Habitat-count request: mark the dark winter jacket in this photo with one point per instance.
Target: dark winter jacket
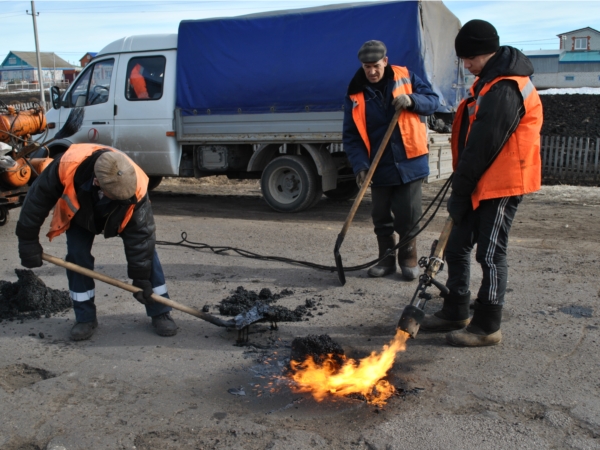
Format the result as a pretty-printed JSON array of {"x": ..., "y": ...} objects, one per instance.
[
  {"x": 498, "y": 116},
  {"x": 394, "y": 168},
  {"x": 95, "y": 214}
]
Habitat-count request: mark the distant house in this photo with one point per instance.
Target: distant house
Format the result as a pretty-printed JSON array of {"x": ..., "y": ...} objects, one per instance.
[
  {"x": 87, "y": 58},
  {"x": 22, "y": 66},
  {"x": 576, "y": 63}
]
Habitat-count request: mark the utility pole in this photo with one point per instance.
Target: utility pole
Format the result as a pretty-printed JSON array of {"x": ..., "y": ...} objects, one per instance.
[{"x": 37, "y": 54}]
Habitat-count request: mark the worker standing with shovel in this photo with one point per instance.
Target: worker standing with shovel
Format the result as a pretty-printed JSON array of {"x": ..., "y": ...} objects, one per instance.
[
  {"x": 496, "y": 159},
  {"x": 96, "y": 189},
  {"x": 377, "y": 91}
]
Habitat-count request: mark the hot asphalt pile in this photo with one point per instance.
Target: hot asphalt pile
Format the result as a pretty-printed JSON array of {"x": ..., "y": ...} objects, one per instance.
[
  {"x": 30, "y": 298},
  {"x": 242, "y": 300},
  {"x": 319, "y": 347}
]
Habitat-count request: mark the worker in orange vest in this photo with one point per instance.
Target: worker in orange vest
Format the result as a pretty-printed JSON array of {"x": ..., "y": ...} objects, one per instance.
[
  {"x": 96, "y": 190},
  {"x": 138, "y": 82},
  {"x": 376, "y": 92},
  {"x": 496, "y": 160}
]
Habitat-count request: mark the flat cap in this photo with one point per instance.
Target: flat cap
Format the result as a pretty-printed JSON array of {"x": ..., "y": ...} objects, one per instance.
[
  {"x": 116, "y": 175},
  {"x": 372, "y": 51}
]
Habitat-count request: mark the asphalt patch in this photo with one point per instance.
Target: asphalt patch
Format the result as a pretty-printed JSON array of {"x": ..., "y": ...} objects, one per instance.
[
  {"x": 242, "y": 300},
  {"x": 30, "y": 298},
  {"x": 577, "y": 311}
]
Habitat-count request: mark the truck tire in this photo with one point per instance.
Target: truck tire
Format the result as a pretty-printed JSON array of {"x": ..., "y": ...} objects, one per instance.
[
  {"x": 289, "y": 183},
  {"x": 153, "y": 182}
]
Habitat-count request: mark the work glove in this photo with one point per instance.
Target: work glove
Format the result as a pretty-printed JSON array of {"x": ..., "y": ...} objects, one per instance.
[
  {"x": 30, "y": 252},
  {"x": 360, "y": 177},
  {"x": 402, "y": 102},
  {"x": 458, "y": 207},
  {"x": 145, "y": 295}
]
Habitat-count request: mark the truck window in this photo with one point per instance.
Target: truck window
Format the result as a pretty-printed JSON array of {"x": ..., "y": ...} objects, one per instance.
[
  {"x": 93, "y": 86},
  {"x": 145, "y": 78}
]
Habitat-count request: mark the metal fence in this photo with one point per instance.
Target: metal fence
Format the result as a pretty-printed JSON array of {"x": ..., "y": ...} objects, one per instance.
[
  {"x": 26, "y": 87},
  {"x": 572, "y": 160}
]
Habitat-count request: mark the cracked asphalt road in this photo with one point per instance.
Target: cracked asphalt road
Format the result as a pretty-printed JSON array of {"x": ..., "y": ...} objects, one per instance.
[{"x": 129, "y": 388}]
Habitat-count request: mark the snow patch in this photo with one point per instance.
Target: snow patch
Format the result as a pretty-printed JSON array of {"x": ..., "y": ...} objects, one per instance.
[{"x": 563, "y": 91}]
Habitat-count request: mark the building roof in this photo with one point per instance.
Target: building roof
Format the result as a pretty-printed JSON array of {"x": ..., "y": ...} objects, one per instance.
[
  {"x": 581, "y": 57},
  {"x": 48, "y": 59},
  {"x": 92, "y": 54},
  {"x": 581, "y": 29},
  {"x": 541, "y": 53}
]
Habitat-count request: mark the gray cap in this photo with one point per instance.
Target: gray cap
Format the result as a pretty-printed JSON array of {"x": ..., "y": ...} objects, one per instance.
[
  {"x": 116, "y": 175},
  {"x": 372, "y": 51}
]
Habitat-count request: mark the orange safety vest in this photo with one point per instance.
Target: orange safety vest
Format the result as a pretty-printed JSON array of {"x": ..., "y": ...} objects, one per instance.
[
  {"x": 412, "y": 129},
  {"x": 517, "y": 169},
  {"x": 68, "y": 204},
  {"x": 138, "y": 82}
]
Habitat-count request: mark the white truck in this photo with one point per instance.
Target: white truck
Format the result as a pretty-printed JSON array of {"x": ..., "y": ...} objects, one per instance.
[{"x": 258, "y": 96}]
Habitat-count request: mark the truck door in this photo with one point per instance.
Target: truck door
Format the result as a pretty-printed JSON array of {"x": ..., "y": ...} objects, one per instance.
[
  {"x": 92, "y": 90},
  {"x": 145, "y": 103}
]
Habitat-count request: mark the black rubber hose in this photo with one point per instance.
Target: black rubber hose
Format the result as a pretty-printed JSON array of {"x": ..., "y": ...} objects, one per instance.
[{"x": 185, "y": 242}]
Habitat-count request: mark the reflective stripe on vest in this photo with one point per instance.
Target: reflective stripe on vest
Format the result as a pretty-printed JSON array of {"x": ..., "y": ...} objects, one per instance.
[
  {"x": 413, "y": 130},
  {"x": 68, "y": 204},
  {"x": 517, "y": 169}
]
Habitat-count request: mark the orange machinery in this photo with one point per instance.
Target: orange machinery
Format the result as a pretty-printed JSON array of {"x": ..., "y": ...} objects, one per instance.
[{"x": 17, "y": 124}]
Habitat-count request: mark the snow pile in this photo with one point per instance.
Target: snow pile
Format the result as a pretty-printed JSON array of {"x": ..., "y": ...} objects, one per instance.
[{"x": 563, "y": 91}]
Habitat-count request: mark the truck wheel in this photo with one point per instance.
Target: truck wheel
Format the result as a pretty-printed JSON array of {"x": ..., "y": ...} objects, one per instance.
[
  {"x": 3, "y": 216},
  {"x": 289, "y": 183},
  {"x": 153, "y": 182}
]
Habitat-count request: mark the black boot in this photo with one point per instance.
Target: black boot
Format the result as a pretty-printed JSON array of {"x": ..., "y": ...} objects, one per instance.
[
  {"x": 483, "y": 330},
  {"x": 408, "y": 260},
  {"x": 454, "y": 314},
  {"x": 386, "y": 266}
]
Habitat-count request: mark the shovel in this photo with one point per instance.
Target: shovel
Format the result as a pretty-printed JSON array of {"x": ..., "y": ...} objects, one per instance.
[
  {"x": 240, "y": 321},
  {"x": 359, "y": 197}
]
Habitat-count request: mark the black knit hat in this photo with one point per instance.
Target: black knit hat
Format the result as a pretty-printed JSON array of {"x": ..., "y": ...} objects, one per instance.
[
  {"x": 372, "y": 51},
  {"x": 476, "y": 37}
]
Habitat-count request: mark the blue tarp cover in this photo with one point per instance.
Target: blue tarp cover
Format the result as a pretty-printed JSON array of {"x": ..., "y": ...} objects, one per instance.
[{"x": 289, "y": 62}]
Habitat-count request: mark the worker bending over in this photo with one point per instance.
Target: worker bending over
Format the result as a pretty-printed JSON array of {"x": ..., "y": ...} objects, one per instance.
[
  {"x": 375, "y": 93},
  {"x": 96, "y": 190},
  {"x": 496, "y": 159}
]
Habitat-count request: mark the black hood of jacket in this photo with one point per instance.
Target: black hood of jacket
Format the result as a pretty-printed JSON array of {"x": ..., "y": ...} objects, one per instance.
[
  {"x": 508, "y": 61},
  {"x": 359, "y": 81}
]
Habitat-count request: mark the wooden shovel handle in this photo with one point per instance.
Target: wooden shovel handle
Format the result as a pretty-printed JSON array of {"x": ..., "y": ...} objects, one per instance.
[
  {"x": 128, "y": 287},
  {"x": 370, "y": 173}
]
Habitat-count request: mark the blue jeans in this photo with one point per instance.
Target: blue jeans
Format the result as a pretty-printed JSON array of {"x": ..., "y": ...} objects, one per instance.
[{"x": 82, "y": 288}]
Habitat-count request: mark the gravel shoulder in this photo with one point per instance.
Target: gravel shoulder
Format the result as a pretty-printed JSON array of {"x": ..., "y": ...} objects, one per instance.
[{"x": 129, "y": 388}]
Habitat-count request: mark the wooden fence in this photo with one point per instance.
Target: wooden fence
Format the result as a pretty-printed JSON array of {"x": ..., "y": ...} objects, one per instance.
[{"x": 571, "y": 159}]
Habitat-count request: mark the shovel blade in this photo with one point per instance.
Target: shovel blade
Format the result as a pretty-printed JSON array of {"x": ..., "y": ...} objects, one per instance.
[
  {"x": 410, "y": 320},
  {"x": 338, "y": 259},
  {"x": 255, "y": 314}
]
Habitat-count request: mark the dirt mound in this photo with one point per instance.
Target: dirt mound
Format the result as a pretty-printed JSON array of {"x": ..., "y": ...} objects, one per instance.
[
  {"x": 571, "y": 115},
  {"x": 30, "y": 298}
]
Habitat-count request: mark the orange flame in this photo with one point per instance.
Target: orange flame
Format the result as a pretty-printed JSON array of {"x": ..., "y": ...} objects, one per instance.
[{"x": 364, "y": 377}]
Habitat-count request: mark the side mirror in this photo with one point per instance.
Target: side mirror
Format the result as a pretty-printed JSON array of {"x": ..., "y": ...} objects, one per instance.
[{"x": 55, "y": 97}]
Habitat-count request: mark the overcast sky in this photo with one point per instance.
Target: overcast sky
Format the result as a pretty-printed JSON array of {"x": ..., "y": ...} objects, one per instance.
[{"x": 73, "y": 28}]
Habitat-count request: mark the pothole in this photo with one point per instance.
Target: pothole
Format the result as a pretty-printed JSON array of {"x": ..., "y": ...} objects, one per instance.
[{"x": 18, "y": 376}]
